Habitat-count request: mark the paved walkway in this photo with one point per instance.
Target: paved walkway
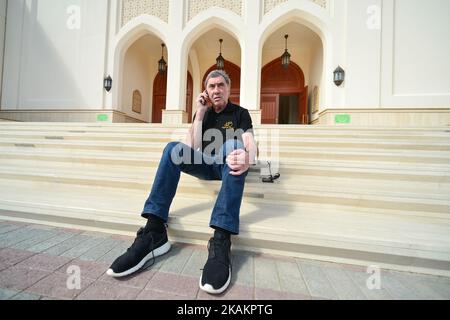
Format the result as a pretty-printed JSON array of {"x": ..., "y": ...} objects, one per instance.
[{"x": 41, "y": 262}]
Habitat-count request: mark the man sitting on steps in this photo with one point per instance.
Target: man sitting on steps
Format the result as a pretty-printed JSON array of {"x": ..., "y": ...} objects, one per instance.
[{"x": 219, "y": 146}]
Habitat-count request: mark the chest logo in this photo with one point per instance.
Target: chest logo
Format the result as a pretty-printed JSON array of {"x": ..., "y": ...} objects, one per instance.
[{"x": 228, "y": 125}]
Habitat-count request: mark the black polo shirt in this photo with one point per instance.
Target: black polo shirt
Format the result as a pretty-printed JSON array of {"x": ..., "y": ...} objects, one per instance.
[{"x": 228, "y": 124}]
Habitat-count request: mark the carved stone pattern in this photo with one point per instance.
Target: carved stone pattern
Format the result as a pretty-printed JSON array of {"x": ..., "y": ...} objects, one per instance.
[
  {"x": 134, "y": 8},
  {"x": 196, "y": 6},
  {"x": 270, "y": 4},
  {"x": 137, "y": 101}
]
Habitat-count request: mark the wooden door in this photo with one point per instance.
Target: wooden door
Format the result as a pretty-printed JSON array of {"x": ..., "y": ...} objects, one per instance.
[
  {"x": 276, "y": 80},
  {"x": 159, "y": 96},
  {"x": 159, "y": 104},
  {"x": 269, "y": 108},
  {"x": 303, "y": 107},
  {"x": 189, "y": 93}
]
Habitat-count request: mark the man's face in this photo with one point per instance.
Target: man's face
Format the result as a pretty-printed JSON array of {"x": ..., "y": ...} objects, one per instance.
[{"x": 218, "y": 92}]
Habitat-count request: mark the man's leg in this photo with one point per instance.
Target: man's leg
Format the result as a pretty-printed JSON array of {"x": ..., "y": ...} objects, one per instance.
[
  {"x": 176, "y": 158},
  {"x": 152, "y": 241},
  {"x": 225, "y": 220}
]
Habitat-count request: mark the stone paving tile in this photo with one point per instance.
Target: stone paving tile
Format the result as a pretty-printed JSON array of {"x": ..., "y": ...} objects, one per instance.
[
  {"x": 39, "y": 237},
  {"x": 112, "y": 255},
  {"x": 195, "y": 264},
  {"x": 176, "y": 284},
  {"x": 44, "y": 262},
  {"x": 51, "y": 242},
  {"x": 26, "y": 296},
  {"x": 291, "y": 279},
  {"x": 20, "y": 278},
  {"x": 158, "y": 295},
  {"x": 360, "y": 279},
  {"x": 99, "y": 251},
  {"x": 5, "y": 228},
  {"x": 397, "y": 289},
  {"x": 58, "y": 285},
  {"x": 83, "y": 247},
  {"x": 317, "y": 282},
  {"x": 234, "y": 292},
  {"x": 344, "y": 286},
  {"x": 423, "y": 288},
  {"x": 266, "y": 274},
  {"x": 11, "y": 257},
  {"x": 101, "y": 290},
  {"x": 268, "y": 294},
  {"x": 137, "y": 280},
  {"x": 88, "y": 269},
  {"x": 5, "y": 294},
  {"x": 176, "y": 259},
  {"x": 243, "y": 271},
  {"x": 17, "y": 236},
  {"x": 66, "y": 245}
]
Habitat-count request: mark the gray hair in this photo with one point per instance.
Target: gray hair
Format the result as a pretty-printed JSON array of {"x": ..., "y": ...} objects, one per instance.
[{"x": 218, "y": 73}]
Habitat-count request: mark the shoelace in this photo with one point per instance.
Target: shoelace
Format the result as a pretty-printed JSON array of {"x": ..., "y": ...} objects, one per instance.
[
  {"x": 139, "y": 236},
  {"x": 215, "y": 247}
]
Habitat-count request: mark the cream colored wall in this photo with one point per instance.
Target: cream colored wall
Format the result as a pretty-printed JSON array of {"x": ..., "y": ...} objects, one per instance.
[
  {"x": 400, "y": 63},
  {"x": 363, "y": 53},
  {"x": 416, "y": 51},
  {"x": 2, "y": 39},
  {"x": 140, "y": 68},
  {"x": 396, "y": 55},
  {"x": 54, "y": 57}
]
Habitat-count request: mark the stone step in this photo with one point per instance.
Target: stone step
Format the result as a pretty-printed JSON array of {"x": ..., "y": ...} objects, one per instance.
[
  {"x": 428, "y": 157},
  {"x": 434, "y": 201},
  {"x": 326, "y": 233},
  {"x": 286, "y": 144}
]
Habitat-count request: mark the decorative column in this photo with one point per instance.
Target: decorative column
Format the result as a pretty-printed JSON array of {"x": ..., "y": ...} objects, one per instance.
[
  {"x": 251, "y": 62},
  {"x": 175, "y": 113}
]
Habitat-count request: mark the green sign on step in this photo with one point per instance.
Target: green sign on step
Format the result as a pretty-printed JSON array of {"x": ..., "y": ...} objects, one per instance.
[
  {"x": 342, "y": 118},
  {"x": 102, "y": 117}
]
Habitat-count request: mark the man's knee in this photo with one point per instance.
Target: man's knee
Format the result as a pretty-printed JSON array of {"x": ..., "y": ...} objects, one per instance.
[{"x": 170, "y": 146}]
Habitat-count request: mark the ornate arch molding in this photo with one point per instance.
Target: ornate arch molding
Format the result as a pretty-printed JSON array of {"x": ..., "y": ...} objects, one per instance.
[
  {"x": 269, "y": 5},
  {"x": 194, "y": 7},
  {"x": 130, "y": 33},
  {"x": 134, "y": 8}
]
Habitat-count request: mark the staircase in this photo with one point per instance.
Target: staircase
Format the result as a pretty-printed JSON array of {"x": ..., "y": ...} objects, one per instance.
[{"x": 377, "y": 196}]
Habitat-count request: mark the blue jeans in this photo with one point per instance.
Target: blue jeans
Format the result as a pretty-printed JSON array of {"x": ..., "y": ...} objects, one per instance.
[{"x": 177, "y": 158}]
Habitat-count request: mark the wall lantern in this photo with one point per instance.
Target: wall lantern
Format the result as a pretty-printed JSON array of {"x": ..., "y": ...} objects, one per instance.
[
  {"x": 220, "y": 61},
  {"x": 162, "y": 64},
  {"x": 107, "y": 83},
  {"x": 339, "y": 76},
  {"x": 286, "y": 57}
]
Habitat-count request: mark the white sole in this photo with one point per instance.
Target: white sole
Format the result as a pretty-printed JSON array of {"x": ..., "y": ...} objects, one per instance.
[
  {"x": 155, "y": 253},
  {"x": 209, "y": 288}
]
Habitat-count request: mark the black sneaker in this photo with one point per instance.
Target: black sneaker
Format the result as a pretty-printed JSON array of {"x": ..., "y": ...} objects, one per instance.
[
  {"x": 147, "y": 245},
  {"x": 216, "y": 275}
]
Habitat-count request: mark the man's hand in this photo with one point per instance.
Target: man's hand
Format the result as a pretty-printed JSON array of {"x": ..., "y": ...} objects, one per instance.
[{"x": 238, "y": 161}]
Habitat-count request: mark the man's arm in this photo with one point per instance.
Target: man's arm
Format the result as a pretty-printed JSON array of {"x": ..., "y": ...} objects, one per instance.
[
  {"x": 240, "y": 160},
  {"x": 250, "y": 147},
  {"x": 194, "y": 135}
]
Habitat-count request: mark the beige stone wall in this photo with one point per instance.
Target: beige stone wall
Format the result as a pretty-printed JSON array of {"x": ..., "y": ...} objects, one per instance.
[{"x": 386, "y": 117}]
